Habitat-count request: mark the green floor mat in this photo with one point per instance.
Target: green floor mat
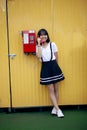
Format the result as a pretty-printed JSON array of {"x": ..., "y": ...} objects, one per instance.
[{"x": 73, "y": 120}]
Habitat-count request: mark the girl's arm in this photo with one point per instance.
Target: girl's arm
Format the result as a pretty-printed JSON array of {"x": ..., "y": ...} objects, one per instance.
[
  {"x": 56, "y": 55},
  {"x": 39, "y": 51}
]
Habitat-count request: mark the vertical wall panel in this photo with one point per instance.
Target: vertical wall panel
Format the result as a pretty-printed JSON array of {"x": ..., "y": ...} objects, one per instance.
[{"x": 70, "y": 34}]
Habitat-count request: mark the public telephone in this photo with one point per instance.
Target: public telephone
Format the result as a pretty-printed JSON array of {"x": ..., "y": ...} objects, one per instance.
[{"x": 29, "y": 41}]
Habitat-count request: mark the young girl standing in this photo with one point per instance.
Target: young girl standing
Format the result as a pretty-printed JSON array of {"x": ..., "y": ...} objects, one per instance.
[{"x": 51, "y": 73}]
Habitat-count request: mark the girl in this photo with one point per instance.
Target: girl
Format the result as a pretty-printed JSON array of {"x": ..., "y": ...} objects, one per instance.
[{"x": 51, "y": 73}]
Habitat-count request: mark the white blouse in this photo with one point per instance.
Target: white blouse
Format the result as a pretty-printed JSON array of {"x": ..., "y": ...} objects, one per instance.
[{"x": 46, "y": 52}]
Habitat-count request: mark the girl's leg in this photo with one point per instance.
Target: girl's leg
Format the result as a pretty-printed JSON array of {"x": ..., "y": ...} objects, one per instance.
[
  {"x": 51, "y": 90},
  {"x": 56, "y": 91}
]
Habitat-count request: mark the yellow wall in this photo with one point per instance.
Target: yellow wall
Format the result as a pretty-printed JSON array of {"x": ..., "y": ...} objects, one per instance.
[
  {"x": 70, "y": 33},
  {"x": 4, "y": 72},
  {"x": 66, "y": 22}
]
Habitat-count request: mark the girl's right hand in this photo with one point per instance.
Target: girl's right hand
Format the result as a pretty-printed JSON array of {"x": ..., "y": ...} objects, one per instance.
[{"x": 38, "y": 40}]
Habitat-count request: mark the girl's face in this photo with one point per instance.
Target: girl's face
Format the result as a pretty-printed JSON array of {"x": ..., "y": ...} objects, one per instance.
[{"x": 43, "y": 38}]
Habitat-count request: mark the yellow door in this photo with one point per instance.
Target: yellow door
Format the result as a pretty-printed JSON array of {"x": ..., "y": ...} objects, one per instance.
[
  {"x": 27, "y": 15},
  {"x": 4, "y": 65}
]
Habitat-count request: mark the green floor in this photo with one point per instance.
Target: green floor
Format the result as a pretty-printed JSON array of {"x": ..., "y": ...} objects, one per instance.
[{"x": 73, "y": 120}]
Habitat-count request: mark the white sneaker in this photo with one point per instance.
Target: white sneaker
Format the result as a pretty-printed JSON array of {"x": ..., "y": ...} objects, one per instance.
[
  {"x": 60, "y": 113},
  {"x": 54, "y": 112}
]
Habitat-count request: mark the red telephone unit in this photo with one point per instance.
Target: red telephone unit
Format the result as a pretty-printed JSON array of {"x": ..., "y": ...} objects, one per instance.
[{"x": 29, "y": 41}]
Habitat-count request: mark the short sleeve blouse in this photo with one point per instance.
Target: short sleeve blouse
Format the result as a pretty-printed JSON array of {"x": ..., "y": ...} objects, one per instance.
[{"x": 46, "y": 52}]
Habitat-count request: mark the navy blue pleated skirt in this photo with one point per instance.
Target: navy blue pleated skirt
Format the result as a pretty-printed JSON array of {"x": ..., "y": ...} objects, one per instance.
[{"x": 50, "y": 73}]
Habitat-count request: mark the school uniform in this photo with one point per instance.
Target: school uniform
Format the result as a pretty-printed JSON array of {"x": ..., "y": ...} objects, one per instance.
[{"x": 50, "y": 71}]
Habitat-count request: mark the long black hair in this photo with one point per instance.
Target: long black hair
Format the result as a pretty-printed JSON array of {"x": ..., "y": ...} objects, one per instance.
[{"x": 44, "y": 32}]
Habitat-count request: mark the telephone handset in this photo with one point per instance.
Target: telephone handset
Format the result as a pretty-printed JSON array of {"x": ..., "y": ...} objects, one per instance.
[{"x": 42, "y": 39}]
